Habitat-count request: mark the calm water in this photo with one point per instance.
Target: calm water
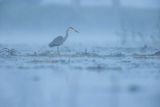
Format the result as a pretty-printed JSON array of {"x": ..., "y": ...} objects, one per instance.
[{"x": 80, "y": 79}]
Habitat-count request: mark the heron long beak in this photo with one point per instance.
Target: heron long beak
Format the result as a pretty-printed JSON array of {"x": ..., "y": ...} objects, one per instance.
[{"x": 76, "y": 30}]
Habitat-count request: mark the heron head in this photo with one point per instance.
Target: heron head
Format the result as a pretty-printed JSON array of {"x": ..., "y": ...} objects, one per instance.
[{"x": 72, "y": 29}]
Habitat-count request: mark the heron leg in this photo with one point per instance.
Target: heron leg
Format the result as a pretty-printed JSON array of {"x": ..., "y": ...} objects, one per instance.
[{"x": 58, "y": 50}]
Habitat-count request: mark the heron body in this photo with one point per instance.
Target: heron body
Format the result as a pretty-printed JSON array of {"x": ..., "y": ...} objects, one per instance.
[{"x": 58, "y": 41}]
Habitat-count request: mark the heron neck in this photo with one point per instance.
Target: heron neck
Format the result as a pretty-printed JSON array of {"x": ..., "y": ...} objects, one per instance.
[{"x": 66, "y": 36}]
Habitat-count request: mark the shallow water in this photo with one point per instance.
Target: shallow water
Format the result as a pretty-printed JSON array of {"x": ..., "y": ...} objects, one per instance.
[{"x": 104, "y": 77}]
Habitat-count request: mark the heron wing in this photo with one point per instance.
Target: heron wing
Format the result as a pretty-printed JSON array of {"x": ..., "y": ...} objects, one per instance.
[{"x": 57, "y": 41}]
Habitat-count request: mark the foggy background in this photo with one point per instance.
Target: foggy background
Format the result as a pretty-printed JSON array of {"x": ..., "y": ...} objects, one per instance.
[
  {"x": 113, "y": 61},
  {"x": 114, "y": 22}
]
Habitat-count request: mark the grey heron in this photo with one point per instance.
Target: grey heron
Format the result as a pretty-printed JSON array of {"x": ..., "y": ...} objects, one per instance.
[{"x": 58, "y": 41}]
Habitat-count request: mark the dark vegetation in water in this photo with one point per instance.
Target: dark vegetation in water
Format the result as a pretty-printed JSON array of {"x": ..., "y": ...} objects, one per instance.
[
  {"x": 157, "y": 53},
  {"x": 9, "y": 52},
  {"x": 103, "y": 53}
]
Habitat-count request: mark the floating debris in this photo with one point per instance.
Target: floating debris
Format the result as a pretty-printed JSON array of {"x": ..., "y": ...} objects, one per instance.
[
  {"x": 37, "y": 61},
  {"x": 99, "y": 67},
  {"x": 133, "y": 88},
  {"x": 118, "y": 54},
  {"x": 84, "y": 54},
  {"x": 42, "y": 61}
]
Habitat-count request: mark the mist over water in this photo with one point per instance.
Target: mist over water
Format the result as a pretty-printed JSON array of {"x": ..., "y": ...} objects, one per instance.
[
  {"x": 112, "y": 62},
  {"x": 46, "y": 19}
]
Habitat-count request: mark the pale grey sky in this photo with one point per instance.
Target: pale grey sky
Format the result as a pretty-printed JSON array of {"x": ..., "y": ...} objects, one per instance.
[{"x": 137, "y": 3}]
